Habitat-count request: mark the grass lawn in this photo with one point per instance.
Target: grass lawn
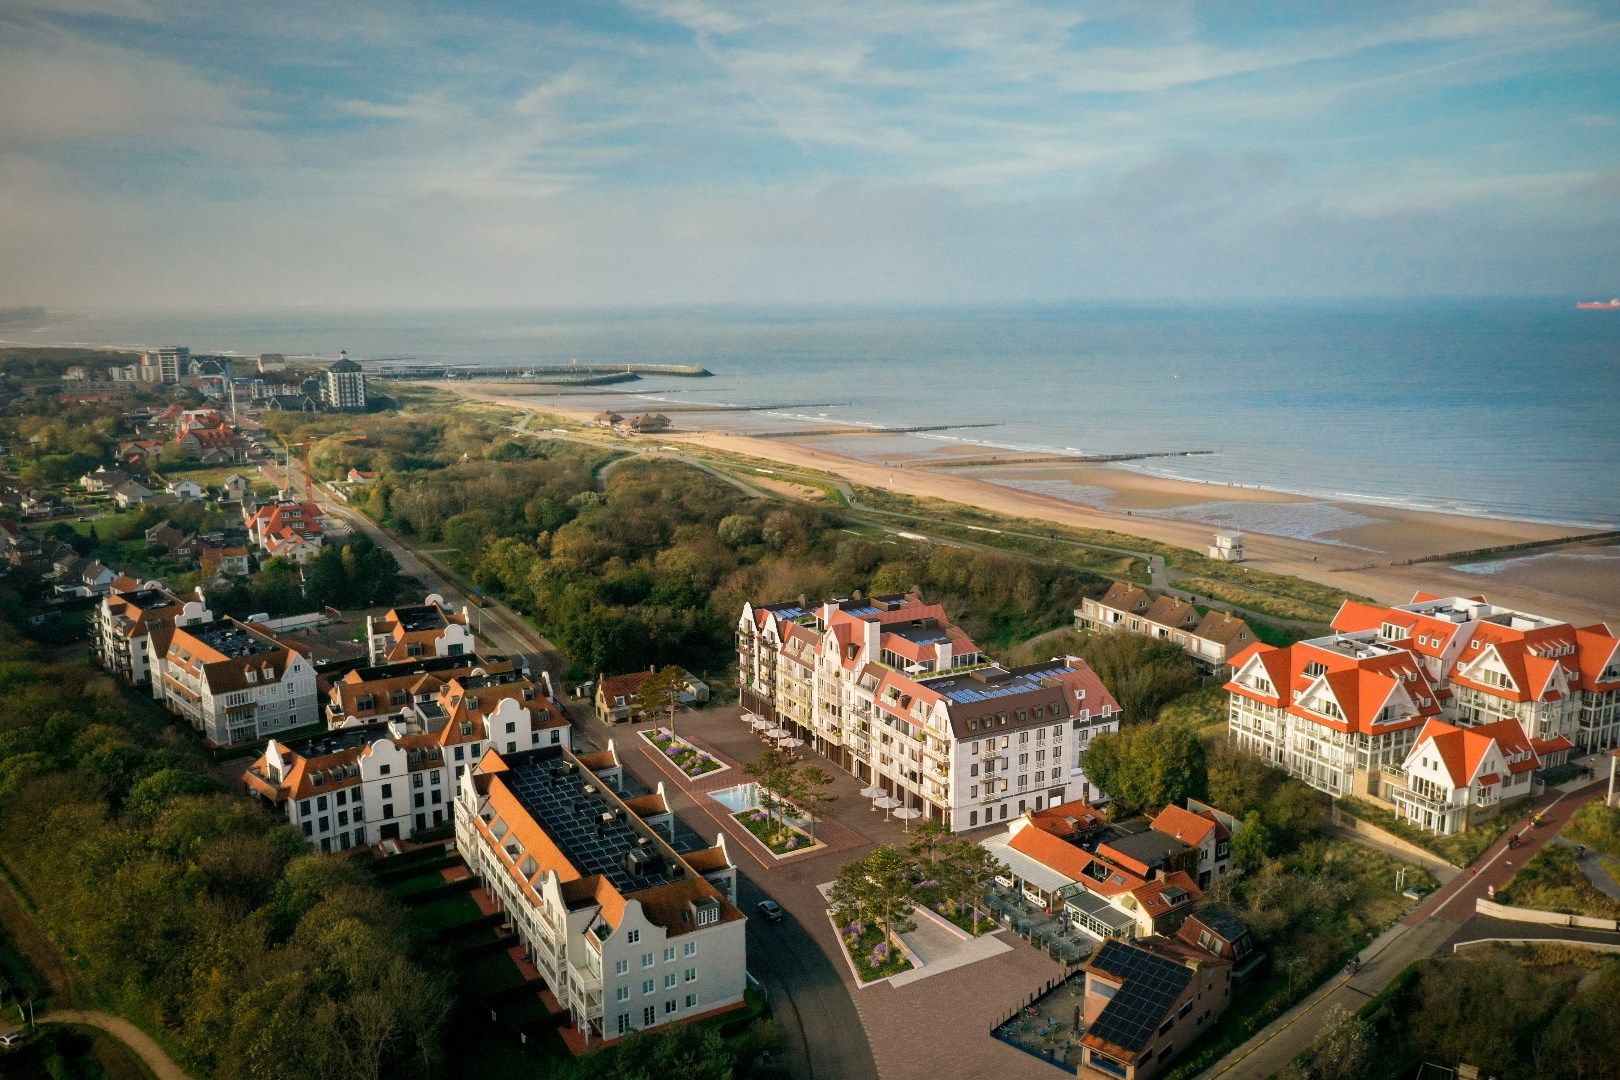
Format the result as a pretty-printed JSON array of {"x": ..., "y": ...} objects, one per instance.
[
  {"x": 1596, "y": 826},
  {"x": 775, "y": 834},
  {"x": 1459, "y": 849},
  {"x": 874, "y": 958},
  {"x": 427, "y": 879},
  {"x": 688, "y": 758},
  {"x": 491, "y": 974},
  {"x": 1553, "y": 881},
  {"x": 444, "y": 913}
]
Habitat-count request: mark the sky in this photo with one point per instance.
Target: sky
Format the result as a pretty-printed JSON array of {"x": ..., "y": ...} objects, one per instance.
[{"x": 244, "y": 156}]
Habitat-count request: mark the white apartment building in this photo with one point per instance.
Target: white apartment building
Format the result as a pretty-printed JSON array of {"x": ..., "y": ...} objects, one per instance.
[
  {"x": 1334, "y": 711},
  {"x": 235, "y": 682},
  {"x": 165, "y": 364},
  {"x": 891, "y": 691},
  {"x": 628, "y": 933},
  {"x": 1490, "y": 663},
  {"x": 131, "y": 627},
  {"x": 362, "y": 784}
]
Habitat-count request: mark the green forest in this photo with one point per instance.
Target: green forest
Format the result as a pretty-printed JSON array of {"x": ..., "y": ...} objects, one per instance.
[
  {"x": 628, "y": 562},
  {"x": 189, "y": 909}
]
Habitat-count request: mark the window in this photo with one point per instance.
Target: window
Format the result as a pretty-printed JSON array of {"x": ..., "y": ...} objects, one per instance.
[
  {"x": 416, "y": 780},
  {"x": 669, "y": 980},
  {"x": 689, "y": 975},
  {"x": 388, "y": 790},
  {"x": 649, "y": 1016},
  {"x": 342, "y": 797},
  {"x": 689, "y": 949},
  {"x": 669, "y": 1006},
  {"x": 385, "y": 769},
  {"x": 511, "y": 726},
  {"x": 621, "y": 966},
  {"x": 669, "y": 954},
  {"x": 973, "y": 815},
  {"x": 621, "y": 994},
  {"x": 632, "y": 937},
  {"x": 647, "y": 986},
  {"x": 325, "y": 823},
  {"x": 388, "y": 809},
  {"x": 647, "y": 960},
  {"x": 320, "y": 803},
  {"x": 691, "y": 1000}
]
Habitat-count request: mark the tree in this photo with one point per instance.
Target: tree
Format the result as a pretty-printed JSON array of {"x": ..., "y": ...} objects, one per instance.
[
  {"x": 877, "y": 889},
  {"x": 660, "y": 692},
  {"x": 1342, "y": 1050},
  {"x": 1250, "y": 844},
  {"x": 738, "y": 530},
  {"x": 774, "y": 774},
  {"x": 810, "y": 791},
  {"x": 1148, "y": 765},
  {"x": 967, "y": 871}
]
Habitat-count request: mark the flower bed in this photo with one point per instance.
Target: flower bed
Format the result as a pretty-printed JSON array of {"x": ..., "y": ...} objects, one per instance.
[
  {"x": 962, "y": 917},
  {"x": 774, "y": 833},
  {"x": 682, "y": 754},
  {"x": 873, "y": 957}
]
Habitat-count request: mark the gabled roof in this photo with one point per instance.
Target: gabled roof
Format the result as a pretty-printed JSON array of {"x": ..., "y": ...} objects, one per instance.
[{"x": 1190, "y": 828}]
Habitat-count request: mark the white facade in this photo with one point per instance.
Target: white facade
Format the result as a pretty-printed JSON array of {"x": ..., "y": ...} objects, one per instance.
[
  {"x": 230, "y": 698},
  {"x": 123, "y": 625}
]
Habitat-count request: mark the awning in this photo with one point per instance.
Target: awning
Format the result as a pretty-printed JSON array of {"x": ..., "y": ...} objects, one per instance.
[{"x": 1033, "y": 871}]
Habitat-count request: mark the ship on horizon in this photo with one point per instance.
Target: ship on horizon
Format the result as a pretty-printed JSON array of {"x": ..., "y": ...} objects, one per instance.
[{"x": 1597, "y": 305}]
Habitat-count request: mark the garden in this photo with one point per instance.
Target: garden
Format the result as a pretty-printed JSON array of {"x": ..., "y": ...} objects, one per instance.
[
  {"x": 874, "y": 958},
  {"x": 775, "y": 833},
  {"x": 682, "y": 754}
]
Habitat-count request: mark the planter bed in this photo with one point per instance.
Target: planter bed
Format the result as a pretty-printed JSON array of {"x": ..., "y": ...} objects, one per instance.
[
  {"x": 682, "y": 754},
  {"x": 872, "y": 965},
  {"x": 962, "y": 919},
  {"x": 780, "y": 837}
]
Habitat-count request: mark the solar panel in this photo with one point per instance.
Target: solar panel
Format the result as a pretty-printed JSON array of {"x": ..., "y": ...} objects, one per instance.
[
  {"x": 1151, "y": 986},
  {"x": 593, "y": 833}
]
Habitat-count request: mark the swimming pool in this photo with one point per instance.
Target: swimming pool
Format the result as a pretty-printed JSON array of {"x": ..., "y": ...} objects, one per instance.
[{"x": 746, "y": 797}]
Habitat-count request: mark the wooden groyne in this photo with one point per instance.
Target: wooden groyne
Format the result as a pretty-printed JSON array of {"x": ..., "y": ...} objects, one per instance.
[
  {"x": 1052, "y": 459},
  {"x": 541, "y": 371},
  {"x": 660, "y": 406},
  {"x": 1499, "y": 551},
  {"x": 804, "y": 433}
]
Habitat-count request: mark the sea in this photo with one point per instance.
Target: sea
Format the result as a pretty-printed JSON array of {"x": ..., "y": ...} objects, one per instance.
[{"x": 1498, "y": 408}]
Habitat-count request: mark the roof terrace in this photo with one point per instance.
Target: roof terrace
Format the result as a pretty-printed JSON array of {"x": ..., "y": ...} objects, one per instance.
[{"x": 234, "y": 640}]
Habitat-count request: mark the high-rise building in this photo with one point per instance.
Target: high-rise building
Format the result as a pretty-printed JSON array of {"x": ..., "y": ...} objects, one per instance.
[
  {"x": 343, "y": 386},
  {"x": 165, "y": 364}
]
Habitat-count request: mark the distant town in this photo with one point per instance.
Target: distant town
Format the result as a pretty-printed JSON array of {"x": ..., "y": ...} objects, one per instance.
[{"x": 539, "y": 703}]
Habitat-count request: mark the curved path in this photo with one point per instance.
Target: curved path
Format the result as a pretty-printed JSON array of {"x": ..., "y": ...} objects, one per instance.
[{"x": 162, "y": 1066}]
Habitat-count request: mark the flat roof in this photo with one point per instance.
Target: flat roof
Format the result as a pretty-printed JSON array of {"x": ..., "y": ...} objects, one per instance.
[
  {"x": 419, "y": 617},
  {"x": 983, "y": 684},
  {"x": 1364, "y": 646},
  {"x": 233, "y": 639},
  {"x": 1149, "y": 846},
  {"x": 594, "y": 831}
]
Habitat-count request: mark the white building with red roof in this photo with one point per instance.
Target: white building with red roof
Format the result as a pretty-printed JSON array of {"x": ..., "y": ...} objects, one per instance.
[
  {"x": 1455, "y": 772},
  {"x": 1490, "y": 663},
  {"x": 1333, "y": 711},
  {"x": 289, "y": 530},
  {"x": 889, "y": 689}
]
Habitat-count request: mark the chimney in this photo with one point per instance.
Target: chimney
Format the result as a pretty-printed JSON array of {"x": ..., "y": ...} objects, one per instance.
[
  {"x": 804, "y": 601},
  {"x": 859, "y": 595}
]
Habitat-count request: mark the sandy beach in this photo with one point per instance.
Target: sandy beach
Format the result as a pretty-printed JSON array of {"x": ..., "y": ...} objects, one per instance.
[{"x": 1350, "y": 545}]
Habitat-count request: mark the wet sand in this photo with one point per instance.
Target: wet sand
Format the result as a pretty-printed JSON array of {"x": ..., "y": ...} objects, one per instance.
[{"x": 1345, "y": 544}]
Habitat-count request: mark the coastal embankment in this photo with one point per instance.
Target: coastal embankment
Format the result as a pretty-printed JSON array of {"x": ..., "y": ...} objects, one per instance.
[{"x": 1362, "y": 548}]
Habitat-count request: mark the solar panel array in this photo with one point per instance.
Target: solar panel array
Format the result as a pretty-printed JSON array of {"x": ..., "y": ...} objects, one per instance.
[
  {"x": 971, "y": 690},
  {"x": 1152, "y": 985},
  {"x": 556, "y": 798},
  {"x": 420, "y": 617}
]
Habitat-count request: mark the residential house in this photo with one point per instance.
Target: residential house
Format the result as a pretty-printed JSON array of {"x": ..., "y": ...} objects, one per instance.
[
  {"x": 235, "y": 682},
  {"x": 628, "y": 933},
  {"x": 382, "y": 692},
  {"x": 1144, "y": 1002},
  {"x": 218, "y": 562},
  {"x": 430, "y": 628},
  {"x": 1110, "y": 880},
  {"x": 645, "y": 423},
  {"x": 287, "y": 529},
  {"x": 1489, "y": 662},
  {"x": 186, "y": 490},
  {"x": 235, "y": 489},
  {"x": 167, "y": 535},
  {"x": 616, "y": 694},
  {"x": 892, "y": 691},
  {"x": 1204, "y": 829},
  {"x": 103, "y": 479},
  {"x": 1216, "y": 929},
  {"x": 129, "y": 495},
  {"x": 1211, "y": 639},
  {"x": 343, "y": 386},
  {"x": 361, "y": 784}
]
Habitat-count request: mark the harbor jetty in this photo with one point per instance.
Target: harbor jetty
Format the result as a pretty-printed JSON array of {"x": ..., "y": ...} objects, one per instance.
[{"x": 563, "y": 374}]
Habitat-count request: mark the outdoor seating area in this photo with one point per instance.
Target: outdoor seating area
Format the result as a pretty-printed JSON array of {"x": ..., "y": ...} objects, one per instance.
[
  {"x": 1055, "y": 934},
  {"x": 1050, "y": 1027},
  {"x": 769, "y": 731}
]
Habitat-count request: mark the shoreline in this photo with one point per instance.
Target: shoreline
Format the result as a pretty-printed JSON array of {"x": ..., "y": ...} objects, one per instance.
[{"x": 1569, "y": 584}]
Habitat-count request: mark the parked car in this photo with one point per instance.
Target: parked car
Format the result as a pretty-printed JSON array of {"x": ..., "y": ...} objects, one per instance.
[
  {"x": 11, "y": 1039},
  {"x": 771, "y": 910}
]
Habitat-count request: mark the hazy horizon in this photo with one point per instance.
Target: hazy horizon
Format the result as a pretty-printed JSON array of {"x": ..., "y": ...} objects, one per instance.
[{"x": 671, "y": 154}]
